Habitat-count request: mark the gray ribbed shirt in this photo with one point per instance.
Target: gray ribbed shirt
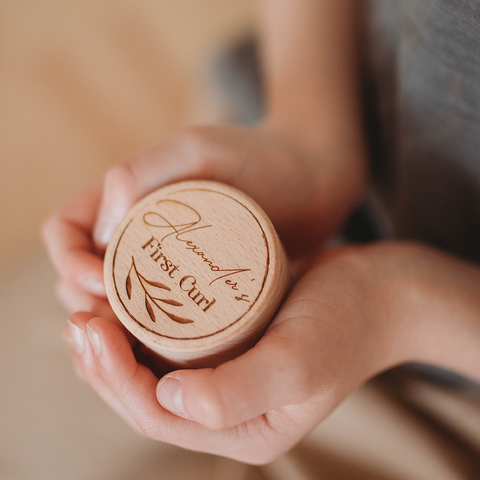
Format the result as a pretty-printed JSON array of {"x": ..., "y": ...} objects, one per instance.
[{"x": 424, "y": 59}]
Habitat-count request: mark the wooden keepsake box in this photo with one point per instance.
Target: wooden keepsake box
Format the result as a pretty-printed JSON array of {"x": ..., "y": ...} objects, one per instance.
[{"x": 196, "y": 272}]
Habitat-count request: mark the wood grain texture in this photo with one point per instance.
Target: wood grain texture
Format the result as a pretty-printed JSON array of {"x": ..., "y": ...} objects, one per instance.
[{"x": 196, "y": 272}]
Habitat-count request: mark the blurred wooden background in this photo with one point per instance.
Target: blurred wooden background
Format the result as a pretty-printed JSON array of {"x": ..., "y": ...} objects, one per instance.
[{"x": 85, "y": 84}]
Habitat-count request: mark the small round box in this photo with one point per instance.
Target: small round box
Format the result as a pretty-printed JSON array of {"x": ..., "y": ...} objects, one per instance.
[{"x": 196, "y": 272}]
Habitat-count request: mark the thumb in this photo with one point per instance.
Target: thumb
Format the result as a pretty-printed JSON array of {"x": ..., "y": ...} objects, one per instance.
[
  {"x": 323, "y": 343},
  {"x": 270, "y": 375}
]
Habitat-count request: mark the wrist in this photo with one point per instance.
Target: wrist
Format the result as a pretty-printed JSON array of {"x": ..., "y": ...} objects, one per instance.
[
  {"x": 388, "y": 302},
  {"x": 359, "y": 286},
  {"x": 444, "y": 312},
  {"x": 432, "y": 309}
]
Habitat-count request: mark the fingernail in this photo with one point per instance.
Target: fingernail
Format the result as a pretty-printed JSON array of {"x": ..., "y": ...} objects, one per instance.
[
  {"x": 93, "y": 285},
  {"x": 104, "y": 234},
  {"x": 78, "y": 337},
  {"x": 94, "y": 339},
  {"x": 169, "y": 394}
]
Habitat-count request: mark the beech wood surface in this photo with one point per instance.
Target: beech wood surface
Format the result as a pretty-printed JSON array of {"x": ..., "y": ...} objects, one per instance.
[{"x": 196, "y": 272}]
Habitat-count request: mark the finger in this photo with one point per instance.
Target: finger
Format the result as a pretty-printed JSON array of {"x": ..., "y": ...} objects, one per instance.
[
  {"x": 67, "y": 236},
  {"x": 194, "y": 153},
  {"x": 76, "y": 300},
  {"x": 132, "y": 383},
  {"x": 86, "y": 366}
]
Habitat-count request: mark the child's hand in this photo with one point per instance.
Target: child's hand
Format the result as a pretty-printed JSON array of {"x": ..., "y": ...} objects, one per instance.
[{"x": 301, "y": 189}]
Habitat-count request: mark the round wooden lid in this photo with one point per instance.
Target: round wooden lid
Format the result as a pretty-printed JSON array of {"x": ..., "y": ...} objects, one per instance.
[{"x": 196, "y": 271}]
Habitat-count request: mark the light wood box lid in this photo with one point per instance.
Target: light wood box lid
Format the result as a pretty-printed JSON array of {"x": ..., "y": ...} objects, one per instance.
[{"x": 196, "y": 272}]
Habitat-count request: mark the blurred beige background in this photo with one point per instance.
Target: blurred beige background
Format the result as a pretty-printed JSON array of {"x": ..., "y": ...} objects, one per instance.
[{"x": 85, "y": 84}]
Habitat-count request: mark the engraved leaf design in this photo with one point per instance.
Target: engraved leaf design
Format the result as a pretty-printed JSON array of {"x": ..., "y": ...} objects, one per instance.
[
  {"x": 150, "y": 311},
  {"x": 170, "y": 302},
  {"x": 157, "y": 284},
  {"x": 150, "y": 300},
  {"x": 177, "y": 319},
  {"x": 128, "y": 286}
]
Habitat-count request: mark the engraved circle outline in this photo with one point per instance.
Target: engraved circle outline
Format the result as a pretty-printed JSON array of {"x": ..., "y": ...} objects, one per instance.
[{"x": 224, "y": 328}]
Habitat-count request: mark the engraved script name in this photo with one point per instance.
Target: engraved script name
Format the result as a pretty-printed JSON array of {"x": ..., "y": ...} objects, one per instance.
[
  {"x": 179, "y": 231},
  {"x": 167, "y": 266}
]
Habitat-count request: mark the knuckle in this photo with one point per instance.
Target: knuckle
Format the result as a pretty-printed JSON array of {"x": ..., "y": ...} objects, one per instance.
[
  {"x": 121, "y": 177},
  {"x": 195, "y": 146}
]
